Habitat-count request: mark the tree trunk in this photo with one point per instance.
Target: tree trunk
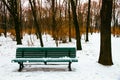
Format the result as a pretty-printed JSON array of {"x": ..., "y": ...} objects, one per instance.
[
  {"x": 33, "y": 7},
  {"x": 53, "y": 19},
  {"x": 69, "y": 21},
  {"x": 12, "y": 8},
  {"x": 105, "y": 57},
  {"x": 114, "y": 17},
  {"x": 15, "y": 14},
  {"x": 18, "y": 37},
  {"x": 78, "y": 39},
  {"x": 20, "y": 18},
  {"x": 4, "y": 21},
  {"x": 88, "y": 21}
]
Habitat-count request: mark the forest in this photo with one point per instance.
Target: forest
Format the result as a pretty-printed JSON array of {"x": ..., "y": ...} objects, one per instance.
[{"x": 54, "y": 17}]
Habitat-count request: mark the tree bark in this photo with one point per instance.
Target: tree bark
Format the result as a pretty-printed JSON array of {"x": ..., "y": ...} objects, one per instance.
[
  {"x": 78, "y": 39},
  {"x": 20, "y": 18},
  {"x": 53, "y": 19},
  {"x": 12, "y": 8},
  {"x": 105, "y": 57},
  {"x": 69, "y": 21},
  {"x": 88, "y": 21},
  {"x": 33, "y": 7}
]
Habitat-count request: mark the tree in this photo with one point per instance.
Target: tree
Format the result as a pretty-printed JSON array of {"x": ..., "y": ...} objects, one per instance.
[
  {"x": 78, "y": 39},
  {"x": 13, "y": 9},
  {"x": 105, "y": 57},
  {"x": 53, "y": 19},
  {"x": 20, "y": 17},
  {"x": 88, "y": 21},
  {"x": 33, "y": 7},
  {"x": 4, "y": 18},
  {"x": 69, "y": 16},
  {"x": 96, "y": 10},
  {"x": 114, "y": 17}
]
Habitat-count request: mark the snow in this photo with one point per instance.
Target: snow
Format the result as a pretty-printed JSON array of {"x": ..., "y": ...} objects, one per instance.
[{"x": 87, "y": 67}]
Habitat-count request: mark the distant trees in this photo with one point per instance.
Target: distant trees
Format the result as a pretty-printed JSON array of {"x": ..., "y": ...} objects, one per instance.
[
  {"x": 105, "y": 57},
  {"x": 116, "y": 13},
  {"x": 54, "y": 17},
  {"x": 12, "y": 6},
  {"x": 4, "y": 18},
  {"x": 97, "y": 18}
]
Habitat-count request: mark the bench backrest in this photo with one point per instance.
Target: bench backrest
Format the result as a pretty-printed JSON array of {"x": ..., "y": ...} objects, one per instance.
[{"x": 35, "y": 52}]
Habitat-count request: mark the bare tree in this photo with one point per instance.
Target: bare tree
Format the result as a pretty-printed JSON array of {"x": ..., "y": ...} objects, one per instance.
[
  {"x": 114, "y": 17},
  {"x": 105, "y": 57},
  {"x": 88, "y": 21},
  {"x": 38, "y": 29},
  {"x": 20, "y": 16},
  {"x": 69, "y": 16},
  {"x": 53, "y": 19},
  {"x": 4, "y": 18},
  {"x": 78, "y": 39},
  {"x": 12, "y": 6}
]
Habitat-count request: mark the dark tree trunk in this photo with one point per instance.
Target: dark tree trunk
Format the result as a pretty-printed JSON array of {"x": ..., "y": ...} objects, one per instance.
[
  {"x": 88, "y": 21},
  {"x": 5, "y": 21},
  {"x": 53, "y": 19},
  {"x": 69, "y": 21},
  {"x": 78, "y": 39},
  {"x": 33, "y": 7},
  {"x": 105, "y": 57},
  {"x": 20, "y": 18},
  {"x": 54, "y": 29},
  {"x": 18, "y": 37},
  {"x": 12, "y": 8}
]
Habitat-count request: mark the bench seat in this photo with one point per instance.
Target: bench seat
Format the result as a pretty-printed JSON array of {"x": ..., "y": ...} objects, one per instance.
[{"x": 45, "y": 60}]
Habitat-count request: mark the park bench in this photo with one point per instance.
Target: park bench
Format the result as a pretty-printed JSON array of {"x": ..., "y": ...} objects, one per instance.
[{"x": 38, "y": 54}]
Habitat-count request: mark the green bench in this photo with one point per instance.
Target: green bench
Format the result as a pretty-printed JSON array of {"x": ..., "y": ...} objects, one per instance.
[{"x": 38, "y": 54}]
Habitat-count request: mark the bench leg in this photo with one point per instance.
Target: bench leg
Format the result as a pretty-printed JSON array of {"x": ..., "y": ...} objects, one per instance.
[
  {"x": 69, "y": 66},
  {"x": 45, "y": 63},
  {"x": 21, "y": 66}
]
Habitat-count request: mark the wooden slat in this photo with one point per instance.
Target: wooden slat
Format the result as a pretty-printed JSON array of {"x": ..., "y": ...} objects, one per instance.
[{"x": 45, "y": 52}]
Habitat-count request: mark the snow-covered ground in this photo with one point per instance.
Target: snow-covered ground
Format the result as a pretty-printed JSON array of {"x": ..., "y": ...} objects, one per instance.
[{"x": 86, "y": 68}]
